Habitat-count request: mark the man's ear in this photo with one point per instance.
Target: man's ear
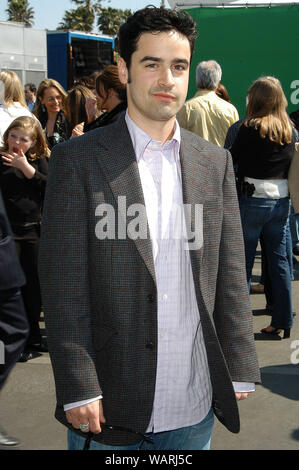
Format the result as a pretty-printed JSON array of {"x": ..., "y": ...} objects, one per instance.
[{"x": 122, "y": 71}]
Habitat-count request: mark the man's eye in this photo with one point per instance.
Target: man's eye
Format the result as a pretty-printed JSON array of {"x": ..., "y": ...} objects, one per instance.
[{"x": 180, "y": 67}]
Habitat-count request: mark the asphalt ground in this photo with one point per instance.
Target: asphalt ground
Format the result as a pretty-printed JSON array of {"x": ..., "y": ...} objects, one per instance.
[{"x": 269, "y": 417}]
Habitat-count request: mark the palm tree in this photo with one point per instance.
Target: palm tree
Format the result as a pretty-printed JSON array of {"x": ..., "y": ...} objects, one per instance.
[
  {"x": 21, "y": 12},
  {"x": 92, "y": 6},
  {"x": 110, "y": 19},
  {"x": 80, "y": 19}
]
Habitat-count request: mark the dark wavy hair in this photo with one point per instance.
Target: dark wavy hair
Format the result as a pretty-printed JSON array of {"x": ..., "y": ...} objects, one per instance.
[{"x": 153, "y": 19}]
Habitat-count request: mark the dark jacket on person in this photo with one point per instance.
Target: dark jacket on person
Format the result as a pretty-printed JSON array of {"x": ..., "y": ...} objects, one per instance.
[
  {"x": 261, "y": 158},
  {"x": 100, "y": 297},
  {"x": 60, "y": 129},
  {"x": 13, "y": 321},
  {"x": 107, "y": 118},
  {"x": 295, "y": 118}
]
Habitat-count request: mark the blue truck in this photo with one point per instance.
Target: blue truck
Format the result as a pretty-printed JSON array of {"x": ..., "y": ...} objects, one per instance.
[{"x": 73, "y": 54}]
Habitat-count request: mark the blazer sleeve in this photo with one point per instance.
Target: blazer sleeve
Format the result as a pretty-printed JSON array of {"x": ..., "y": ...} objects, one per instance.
[
  {"x": 232, "y": 313},
  {"x": 63, "y": 269}
]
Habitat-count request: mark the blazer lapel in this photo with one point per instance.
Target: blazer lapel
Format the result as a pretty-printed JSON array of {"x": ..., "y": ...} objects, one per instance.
[
  {"x": 195, "y": 175},
  {"x": 121, "y": 170}
]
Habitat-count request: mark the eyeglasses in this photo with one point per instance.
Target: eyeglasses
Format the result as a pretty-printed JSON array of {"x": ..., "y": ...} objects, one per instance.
[
  {"x": 54, "y": 98},
  {"x": 90, "y": 435}
]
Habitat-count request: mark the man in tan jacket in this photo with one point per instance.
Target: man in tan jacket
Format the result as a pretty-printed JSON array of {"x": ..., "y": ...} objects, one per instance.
[{"x": 206, "y": 114}]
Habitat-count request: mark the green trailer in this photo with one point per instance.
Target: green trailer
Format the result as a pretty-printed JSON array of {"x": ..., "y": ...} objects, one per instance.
[{"x": 248, "y": 40}]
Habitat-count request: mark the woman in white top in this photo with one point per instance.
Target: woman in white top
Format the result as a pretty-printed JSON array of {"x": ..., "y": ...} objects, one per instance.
[{"x": 12, "y": 100}]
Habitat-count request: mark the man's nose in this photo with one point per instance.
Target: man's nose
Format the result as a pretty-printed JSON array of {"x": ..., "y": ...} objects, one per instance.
[{"x": 166, "y": 78}]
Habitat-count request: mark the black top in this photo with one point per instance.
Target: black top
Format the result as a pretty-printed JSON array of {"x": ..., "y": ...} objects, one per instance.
[
  {"x": 107, "y": 118},
  {"x": 23, "y": 197},
  {"x": 260, "y": 158},
  {"x": 295, "y": 118},
  {"x": 60, "y": 129}
]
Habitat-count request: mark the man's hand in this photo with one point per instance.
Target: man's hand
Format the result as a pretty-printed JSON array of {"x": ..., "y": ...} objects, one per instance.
[
  {"x": 241, "y": 396},
  {"x": 91, "y": 413}
]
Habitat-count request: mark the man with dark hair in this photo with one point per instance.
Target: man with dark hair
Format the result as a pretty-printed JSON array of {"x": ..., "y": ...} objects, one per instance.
[
  {"x": 147, "y": 325},
  {"x": 30, "y": 95}
]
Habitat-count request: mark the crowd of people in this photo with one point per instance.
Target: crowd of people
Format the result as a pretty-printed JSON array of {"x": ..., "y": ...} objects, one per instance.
[
  {"x": 34, "y": 120},
  {"x": 262, "y": 146}
]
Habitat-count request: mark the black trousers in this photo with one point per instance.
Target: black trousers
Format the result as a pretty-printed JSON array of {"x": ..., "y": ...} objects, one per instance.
[
  {"x": 27, "y": 245},
  {"x": 13, "y": 330}
]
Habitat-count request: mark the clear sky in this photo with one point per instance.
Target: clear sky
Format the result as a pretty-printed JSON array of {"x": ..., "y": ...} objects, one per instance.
[{"x": 49, "y": 13}]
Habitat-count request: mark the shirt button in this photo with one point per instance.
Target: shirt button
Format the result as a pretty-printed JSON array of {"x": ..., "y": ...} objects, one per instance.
[
  {"x": 151, "y": 298},
  {"x": 150, "y": 345},
  {"x": 165, "y": 297}
]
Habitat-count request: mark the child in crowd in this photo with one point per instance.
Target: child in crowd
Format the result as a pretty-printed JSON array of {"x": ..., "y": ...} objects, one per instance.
[{"x": 23, "y": 174}]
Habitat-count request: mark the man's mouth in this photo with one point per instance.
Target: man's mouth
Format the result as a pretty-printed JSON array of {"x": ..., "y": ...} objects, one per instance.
[
  {"x": 165, "y": 96},
  {"x": 15, "y": 149}
]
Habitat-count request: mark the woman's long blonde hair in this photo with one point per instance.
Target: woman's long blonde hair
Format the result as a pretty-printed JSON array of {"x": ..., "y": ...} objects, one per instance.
[
  {"x": 266, "y": 110},
  {"x": 31, "y": 125},
  {"x": 13, "y": 88}
]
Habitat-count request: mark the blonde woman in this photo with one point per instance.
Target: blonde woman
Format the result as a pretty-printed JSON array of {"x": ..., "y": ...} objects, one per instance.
[
  {"x": 49, "y": 109},
  {"x": 13, "y": 103},
  {"x": 262, "y": 152}
]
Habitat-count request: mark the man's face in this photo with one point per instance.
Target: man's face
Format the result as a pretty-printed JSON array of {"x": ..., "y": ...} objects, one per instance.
[
  {"x": 157, "y": 81},
  {"x": 29, "y": 94}
]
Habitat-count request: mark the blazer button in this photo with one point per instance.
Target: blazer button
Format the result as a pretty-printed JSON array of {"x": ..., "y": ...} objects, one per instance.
[
  {"x": 151, "y": 298},
  {"x": 150, "y": 345}
]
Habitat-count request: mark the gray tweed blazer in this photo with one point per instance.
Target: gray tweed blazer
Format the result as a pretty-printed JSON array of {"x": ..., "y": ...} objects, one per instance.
[{"x": 100, "y": 296}]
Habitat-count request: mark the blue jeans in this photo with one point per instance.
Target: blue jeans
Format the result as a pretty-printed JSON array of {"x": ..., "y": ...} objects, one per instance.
[
  {"x": 294, "y": 226},
  {"x": 197, "y": 437},
  {"x": 268, "y": 218}
]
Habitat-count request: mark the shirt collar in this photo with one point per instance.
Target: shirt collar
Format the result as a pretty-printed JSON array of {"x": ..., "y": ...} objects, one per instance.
[
  {"x": 141, "y": 140},
  {"x": 205, "y": 92}
]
